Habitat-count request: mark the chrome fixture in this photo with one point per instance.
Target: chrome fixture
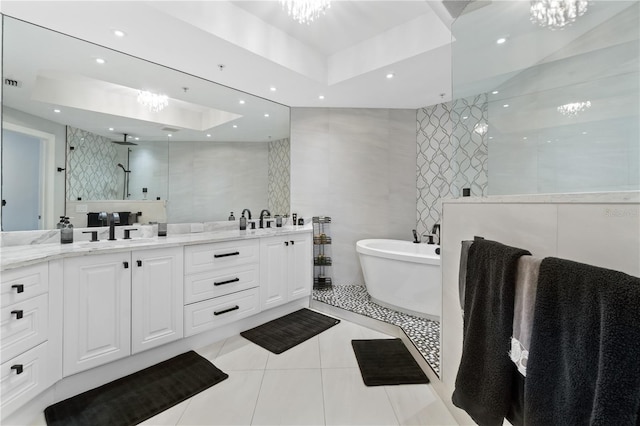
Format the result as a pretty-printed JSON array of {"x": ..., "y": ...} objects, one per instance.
[
  {"x": 305, "y": 11},
  {"x": 153, "y": 101},
  {"x": 556, "y": 14},
  {"x": 574, "y": 108},
  {"x": 264, "y": 214}
]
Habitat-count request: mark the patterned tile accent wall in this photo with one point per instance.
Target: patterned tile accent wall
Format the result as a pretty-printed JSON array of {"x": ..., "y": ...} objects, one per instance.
[
  {"x": 279, "y": 176},
  {"x": 91, "y": 167},
  {"x": 451, "y": 154}
]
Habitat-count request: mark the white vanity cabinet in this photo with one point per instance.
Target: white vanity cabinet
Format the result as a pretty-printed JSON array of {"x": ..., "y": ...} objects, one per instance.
[
  {"x": 156, "y": 297},
  {"x": 285, "y": 269},
  {"x": 119, "y": 304},
  {"x": 97, "y": 310},
  {"x": 220, "y": 284},
  {"x": 27, "y": 366}
]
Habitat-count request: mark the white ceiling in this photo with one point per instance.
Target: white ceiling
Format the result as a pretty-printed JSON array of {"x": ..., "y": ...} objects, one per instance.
[{"x": 345, "y": 55}]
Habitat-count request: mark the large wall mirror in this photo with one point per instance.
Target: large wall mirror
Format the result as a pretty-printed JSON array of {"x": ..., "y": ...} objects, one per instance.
[{"x": 77, "y": 131}]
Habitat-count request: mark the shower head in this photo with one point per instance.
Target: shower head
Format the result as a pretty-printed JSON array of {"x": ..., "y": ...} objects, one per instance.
[{"x": 124, "y": 141}]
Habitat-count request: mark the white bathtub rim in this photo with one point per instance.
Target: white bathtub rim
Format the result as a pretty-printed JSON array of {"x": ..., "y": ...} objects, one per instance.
[{"x": 362, "y": 248}]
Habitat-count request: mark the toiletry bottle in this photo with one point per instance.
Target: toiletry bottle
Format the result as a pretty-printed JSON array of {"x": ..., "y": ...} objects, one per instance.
[
  {"x": 278, "y": 221},
  {"x": 232, "y": 217},
  {"x": 66, "y": 232},
  {"x": 243, "y": 222},
  {"x": 60, "y": 224}
]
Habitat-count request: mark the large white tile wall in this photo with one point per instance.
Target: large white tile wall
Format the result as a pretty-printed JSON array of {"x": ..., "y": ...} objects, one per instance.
[
  {"x": 357, "y": 166},
  {"x": 229, "y": 176},
  {"x": 602, "y": 233}
]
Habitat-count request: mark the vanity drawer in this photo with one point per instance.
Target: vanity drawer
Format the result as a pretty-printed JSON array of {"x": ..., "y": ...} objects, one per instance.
[
  {"x": 198, "y": 287},
  {"x": 203, "y": 316},
  {"x": 210, "y": 257},
  {"x": 24, "y": 377},
  {"x": 23, "y": 325},
  {"x": 23, "y": 283}
]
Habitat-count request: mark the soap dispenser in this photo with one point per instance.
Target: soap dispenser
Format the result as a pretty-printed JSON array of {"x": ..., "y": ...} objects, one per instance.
[
  {"x": 243, "y": 222},
  {"x": 232, "y": 217},
  {"x": 66, "y": 232},
  {"x": 60, "y": 224}
]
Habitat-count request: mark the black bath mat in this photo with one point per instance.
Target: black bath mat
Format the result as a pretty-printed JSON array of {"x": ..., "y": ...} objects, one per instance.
[
  {"x": 139, "y": 396},
  {"x": 290, "y": 330},
  {"x": 387, "y": 362}
]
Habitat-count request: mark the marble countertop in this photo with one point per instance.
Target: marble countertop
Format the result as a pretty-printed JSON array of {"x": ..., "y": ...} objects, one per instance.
[{"x": 24, "y": 255}]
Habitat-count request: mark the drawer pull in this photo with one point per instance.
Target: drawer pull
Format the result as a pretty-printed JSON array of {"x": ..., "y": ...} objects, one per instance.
[
  {"x": 19, "y": 288},
  {"x": 126, "y": 265},
  {"x": 18, "y": 313},
  {"x": 235, "y": 280},
  {"x": 235, "y": 253},
  {"x": 292, "y": 242},
  {"x": 139, "y": 262},
  {"x": 18, "y": 368},
  {"x": 286, "y": 243},
  {"x": 226, "y": 310}
]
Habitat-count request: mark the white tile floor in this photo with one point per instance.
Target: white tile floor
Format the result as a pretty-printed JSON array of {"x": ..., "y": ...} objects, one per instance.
[{"x": 315, "y": 383}]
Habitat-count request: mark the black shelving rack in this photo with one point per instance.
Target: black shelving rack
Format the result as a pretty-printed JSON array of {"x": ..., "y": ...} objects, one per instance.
[{"x": 321, "y": 252}]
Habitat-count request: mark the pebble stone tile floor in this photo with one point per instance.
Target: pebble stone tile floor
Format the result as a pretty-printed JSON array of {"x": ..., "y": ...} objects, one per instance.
[
  {"x": 317, "y": 382},
  {"x": 424, "y": 333}
]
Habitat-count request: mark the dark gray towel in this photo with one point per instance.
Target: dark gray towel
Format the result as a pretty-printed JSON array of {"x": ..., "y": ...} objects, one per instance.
[
  {"x": 462, "y": 272},
  {"x": 583, "y": 364},
  {"x": 485, "y": 376}
]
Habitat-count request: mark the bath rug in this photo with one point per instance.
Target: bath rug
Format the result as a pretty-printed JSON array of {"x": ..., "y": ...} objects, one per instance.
[
  {"x": 138, "y": 396},
  {"x": 385, "y": 362},
  {"x": 290, "y": 330}
]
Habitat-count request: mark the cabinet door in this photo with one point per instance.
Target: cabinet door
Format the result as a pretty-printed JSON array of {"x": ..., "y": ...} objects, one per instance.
[
  {"x": 97, "y": 315},
  {"x": 156, "y": 297},
  {"x": 300, "y": 266},
  {"x": 273, "y": 271}
]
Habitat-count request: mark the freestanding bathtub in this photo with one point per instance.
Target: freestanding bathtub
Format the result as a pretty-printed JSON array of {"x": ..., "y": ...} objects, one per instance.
[{"x": 402, "y": 275}]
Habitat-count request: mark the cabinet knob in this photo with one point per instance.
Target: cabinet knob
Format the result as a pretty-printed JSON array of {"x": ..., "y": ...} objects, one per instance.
[
  {"x": 19, "y": 313},
  {"x": 18, "y": 368},
  {"x": 126, "y": 265},
  {"x": 19, "y": 288},
  {"x": 139, "y": 262}
]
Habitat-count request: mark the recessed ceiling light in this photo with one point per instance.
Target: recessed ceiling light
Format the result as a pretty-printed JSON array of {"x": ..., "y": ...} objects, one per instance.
[
  {"x": 495, "y": 92},
  {"x": 584, "y": 133},
  {"x": 321, "y": 97},
  {"x": 169, "y": 135},
  {"x": 490, "y": 137},
  {"x": 501, "y": 40},
  {"x": 235, "y": 126},
  {"x": 273, "y": 89},
  {"x": 505, "y": 106},
  {"x": 208, "y": 135},
  {"x": 390, "y": 75},
  {"x": 100, "y": 61},
  {"x": 137, "y": 138},
  {"x": 241, "y": 101},
  {"x": 524, "y": 138},
  {"x": 56, "y": 110},
  {"x": 266, "y": 115},
  {"x": 111, "y": 129},
  {"x": 119, "y": 33}
]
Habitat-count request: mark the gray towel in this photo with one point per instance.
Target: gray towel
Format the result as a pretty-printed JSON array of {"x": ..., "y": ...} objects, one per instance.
[
  {"x": 525, "y": 299},
  {"x": 583, "y": 361},
  {"x": 484, "y": 381},
  {"x": 462, "y": 273}
]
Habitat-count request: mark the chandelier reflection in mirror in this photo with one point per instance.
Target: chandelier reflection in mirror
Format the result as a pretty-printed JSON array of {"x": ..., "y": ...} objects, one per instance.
[
  {"x": 556, "y": 14},
  {"x": 305, "y": 11},
  {"x": 153, "y": 101},
  {"x": 574, "y": 108}
]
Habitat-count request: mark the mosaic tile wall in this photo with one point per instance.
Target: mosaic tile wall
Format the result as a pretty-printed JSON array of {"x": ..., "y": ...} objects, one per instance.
[
  {"x": 279, "y": 176},
  {"x": 451, "y": 154},
  {"x": 92, "y": 172}
]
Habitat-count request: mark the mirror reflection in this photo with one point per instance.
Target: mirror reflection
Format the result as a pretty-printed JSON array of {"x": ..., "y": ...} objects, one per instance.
[{"x": 112, "y": 132}]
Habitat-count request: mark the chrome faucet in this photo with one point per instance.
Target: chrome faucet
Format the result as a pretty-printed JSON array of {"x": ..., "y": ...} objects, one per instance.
[
  {"x": 263, "y": 215},
  {"x": 112, "y": 219},
  {"x": 248, "y": 213}
]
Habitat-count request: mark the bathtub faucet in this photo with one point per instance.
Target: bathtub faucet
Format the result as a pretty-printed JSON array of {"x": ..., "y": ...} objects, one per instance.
[
  {"x": 415, "y": 236},
  {"x": 436, "y": 232}
]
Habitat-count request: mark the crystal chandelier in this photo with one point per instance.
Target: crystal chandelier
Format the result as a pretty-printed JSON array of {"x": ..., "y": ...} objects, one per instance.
[
  {"x": 481, "y": 128},
  {"x": 305, "y": 11},
  {"x": 574, "y": 108},
  {"x": 556, "y": 14},
  {"x": 153, "y": 101}
]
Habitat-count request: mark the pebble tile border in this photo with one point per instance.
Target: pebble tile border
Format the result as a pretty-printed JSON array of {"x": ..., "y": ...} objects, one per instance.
[{"x": 424, "y": 333}]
